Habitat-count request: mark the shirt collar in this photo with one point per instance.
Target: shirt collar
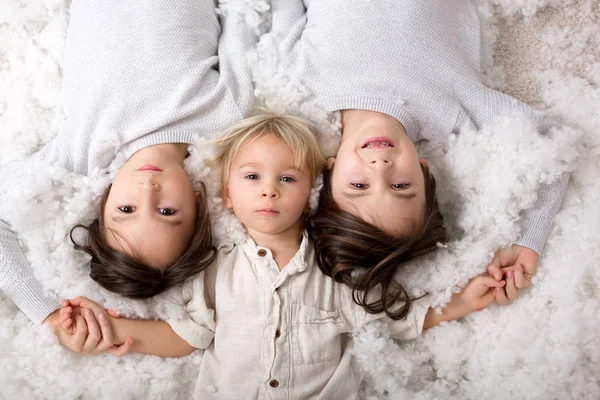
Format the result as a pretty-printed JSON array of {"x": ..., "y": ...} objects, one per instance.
[{"x": 297, "y": 264}]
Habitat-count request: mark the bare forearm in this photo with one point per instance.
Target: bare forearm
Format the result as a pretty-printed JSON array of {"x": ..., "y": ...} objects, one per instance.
[
  {"x": 454, "y": 310},
  {"x": 150, "y": 337}
]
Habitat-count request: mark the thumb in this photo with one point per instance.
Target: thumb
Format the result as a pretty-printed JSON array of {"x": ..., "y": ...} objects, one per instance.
[
  {"x": 121, "y": 349},
  {"x": 486, "y": 299}
]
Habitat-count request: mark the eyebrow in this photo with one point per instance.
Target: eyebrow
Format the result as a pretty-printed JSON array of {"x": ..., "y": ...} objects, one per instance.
[
  {"x": 257, "y": 164},
  {"x": 400, "y": 195},
  {"x": 162, "y": 220}
]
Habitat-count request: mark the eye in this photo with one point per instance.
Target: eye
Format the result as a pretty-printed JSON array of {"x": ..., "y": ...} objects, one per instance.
[
  {"x": 166, "y": 211},
  {"x": 126, "y": 209},
  {"x": 359, "y": 185},
  {"x": 288, "y": 179},
  {"x": 400, "y": 186},
  {"x": 251, "y": 176}
]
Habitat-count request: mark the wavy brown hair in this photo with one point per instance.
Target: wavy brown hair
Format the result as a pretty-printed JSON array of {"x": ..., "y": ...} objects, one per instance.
[
  {"x": 130, "y": 276},
  {"x": 366, "y": 258}
]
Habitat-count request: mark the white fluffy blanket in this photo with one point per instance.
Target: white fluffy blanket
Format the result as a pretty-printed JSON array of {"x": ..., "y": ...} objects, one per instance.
[{"x": 542, "y": 346}]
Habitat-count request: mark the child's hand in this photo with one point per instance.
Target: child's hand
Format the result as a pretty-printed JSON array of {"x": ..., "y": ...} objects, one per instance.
[
  {"x": 480, "y": 292},
  {"x": 518, "y": 265},
  {"x": 83, "y": 326}
]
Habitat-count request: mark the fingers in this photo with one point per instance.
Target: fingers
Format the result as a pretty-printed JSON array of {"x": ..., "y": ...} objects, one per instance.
[
  {"x": 122, "y": 349},
  {"x": 94, "y": 336},
  {"x": 487, "y": 299},
  {"x": 80, "y": 333},
  {"x": 113, "y": 313},
  {"x": 511, "y": 288},
  {"x": 66, "y": 319},
  {"x": 491, "y": 282},
  {"x": 501, "y": 296},
  {"x": 107, "y": 334},
  {"x": 502, "y": 258},
  {"x": 520, "y": 277}
]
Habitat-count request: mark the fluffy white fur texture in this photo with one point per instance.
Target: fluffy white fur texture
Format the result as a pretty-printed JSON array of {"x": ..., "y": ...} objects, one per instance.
[{"x": 544, "y": 345}]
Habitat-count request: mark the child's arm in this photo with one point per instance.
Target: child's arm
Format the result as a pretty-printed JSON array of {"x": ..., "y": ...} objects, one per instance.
[
  {"x": 479, "y": 293},
  {"x": 80, "y": 331},
  {"x": 145, "y": 336}
]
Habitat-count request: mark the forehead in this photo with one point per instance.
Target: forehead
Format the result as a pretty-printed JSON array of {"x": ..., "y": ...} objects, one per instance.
[
  {"x": 267, "y": 150},
  {"x": 161, "y": 248},
  {"x": 394, "y": 216}
]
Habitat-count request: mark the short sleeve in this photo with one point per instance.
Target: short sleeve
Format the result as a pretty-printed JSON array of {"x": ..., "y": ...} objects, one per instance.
[
  {"x": 196, "y": 324},
  {"x": 409, "y": 327}
]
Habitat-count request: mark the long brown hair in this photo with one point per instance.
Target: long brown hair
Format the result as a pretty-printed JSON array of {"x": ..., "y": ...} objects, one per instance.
[
  {"x": 128, "y": 275},
  {"x": 366, "y": 258}
]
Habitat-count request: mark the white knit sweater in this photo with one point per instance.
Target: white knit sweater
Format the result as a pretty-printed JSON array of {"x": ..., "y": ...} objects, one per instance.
[
  {"x": 417, "y": 61},
  {"x": 138, "y": 73}
]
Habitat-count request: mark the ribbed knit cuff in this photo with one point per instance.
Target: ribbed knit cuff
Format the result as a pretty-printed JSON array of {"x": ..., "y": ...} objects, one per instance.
[
  {"x": 28, "y": 296},
  {"x": 535, "y": 229},
  {"x": 155, "y": 138},
  {"x": 386, "y": 107}
]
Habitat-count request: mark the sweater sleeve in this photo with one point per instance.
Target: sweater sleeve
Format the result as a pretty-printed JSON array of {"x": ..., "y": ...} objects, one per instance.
[
  {"x": 17, "y": 280},
  {"x": 288, "y": 20},
  {"x": 536, "y": 222}
]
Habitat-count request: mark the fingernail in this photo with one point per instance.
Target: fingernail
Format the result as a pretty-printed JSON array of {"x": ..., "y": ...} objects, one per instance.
[
  {"x": 479, "y": 309},
  {"x": 88, "y": 312},
  {"x": 510, "y": 274},
  {"x": 498, "y": 277}
]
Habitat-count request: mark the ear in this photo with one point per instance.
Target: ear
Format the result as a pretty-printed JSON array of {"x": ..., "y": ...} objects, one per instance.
[
  {"x": 226, "y": 198},
  {"x": 330, "y": 162},
  {"x": 424, "y": 162}
]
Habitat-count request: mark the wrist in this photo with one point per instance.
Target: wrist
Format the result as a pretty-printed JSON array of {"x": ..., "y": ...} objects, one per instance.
[{"x": 51, "y": 317}]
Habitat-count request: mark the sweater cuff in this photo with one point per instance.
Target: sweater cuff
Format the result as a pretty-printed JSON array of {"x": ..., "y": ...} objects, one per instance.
[
  {"x": 535, "y": 229},
  {"x": 30, "y": 299}
]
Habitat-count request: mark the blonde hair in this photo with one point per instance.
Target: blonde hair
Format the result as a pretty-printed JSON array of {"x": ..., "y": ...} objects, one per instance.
[{"x": 297, "y": 133}]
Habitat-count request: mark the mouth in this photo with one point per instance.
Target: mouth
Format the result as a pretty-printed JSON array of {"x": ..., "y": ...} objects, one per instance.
[
  {"x": 267, "y": 211},
  {"x": 149, "y": 168},
  {"x": 378, "y": 142}
]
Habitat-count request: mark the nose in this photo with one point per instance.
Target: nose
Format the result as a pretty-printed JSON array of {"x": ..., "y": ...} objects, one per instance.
[
  {"x": 148, "y": 183},
  {"x": 380, "y": 162},
  {"x": 269, "y": 191}
]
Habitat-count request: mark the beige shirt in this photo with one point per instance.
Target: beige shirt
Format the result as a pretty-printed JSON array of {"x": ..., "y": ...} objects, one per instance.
[{"x": 276, "y": 334}]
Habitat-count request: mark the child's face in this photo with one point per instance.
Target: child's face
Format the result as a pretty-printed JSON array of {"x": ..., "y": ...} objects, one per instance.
[
  {"x": 151, "y": 213},
  {"x": 377, "y": 176},
  {"x": 265, "y": 190}
]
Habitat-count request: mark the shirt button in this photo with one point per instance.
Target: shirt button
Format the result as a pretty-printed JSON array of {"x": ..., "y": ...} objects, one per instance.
[
  {"x": 274, "y": 383},
  {"x": 277, "y": 333},
  {"x": 262, "y": 253}
]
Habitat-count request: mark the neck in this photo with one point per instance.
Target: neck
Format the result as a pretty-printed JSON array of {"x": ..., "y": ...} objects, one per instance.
[
  {"x": 359, "y": 121},
  {"x": 283, "y": 245}
]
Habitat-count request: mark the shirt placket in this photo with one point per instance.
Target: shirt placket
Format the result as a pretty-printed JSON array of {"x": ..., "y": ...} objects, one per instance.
[{"x": 276, "y": 375}]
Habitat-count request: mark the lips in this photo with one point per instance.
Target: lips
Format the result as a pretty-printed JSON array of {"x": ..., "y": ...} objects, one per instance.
[
  {"x": 150, "y": 168},
  {"x": 379, "y": 142},
  {"x": 267, "y": 211}
]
